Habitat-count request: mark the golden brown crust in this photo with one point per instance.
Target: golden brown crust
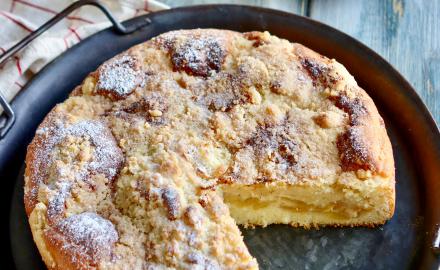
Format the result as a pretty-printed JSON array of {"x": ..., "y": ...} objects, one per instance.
[
  {"x": 365, "y": 144},
  {"x": 127, "y": 172}
]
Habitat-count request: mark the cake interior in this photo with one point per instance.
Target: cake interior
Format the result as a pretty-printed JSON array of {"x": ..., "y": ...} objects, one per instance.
[{"x": 306, "y": 205}]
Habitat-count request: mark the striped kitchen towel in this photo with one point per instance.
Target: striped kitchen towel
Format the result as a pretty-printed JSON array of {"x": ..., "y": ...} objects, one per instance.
[{"x": 20, "y": 17}]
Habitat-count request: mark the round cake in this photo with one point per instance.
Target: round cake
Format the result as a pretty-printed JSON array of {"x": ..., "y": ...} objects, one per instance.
[{"x": 157, "y": 156}]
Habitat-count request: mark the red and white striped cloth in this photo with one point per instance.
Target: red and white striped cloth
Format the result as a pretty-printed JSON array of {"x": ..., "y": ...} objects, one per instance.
[{"x": 20, "y": 17}]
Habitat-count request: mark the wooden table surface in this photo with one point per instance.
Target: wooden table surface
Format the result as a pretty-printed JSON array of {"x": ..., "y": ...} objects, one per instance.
[{"x": 404, "y": 32}]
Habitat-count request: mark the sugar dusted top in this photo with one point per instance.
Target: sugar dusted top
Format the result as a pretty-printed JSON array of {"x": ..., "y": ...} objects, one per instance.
[{"x": 125, "y": 173}]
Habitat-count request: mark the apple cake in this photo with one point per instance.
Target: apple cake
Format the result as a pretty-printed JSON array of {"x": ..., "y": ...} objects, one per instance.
[{"x": 157, "y": 156}]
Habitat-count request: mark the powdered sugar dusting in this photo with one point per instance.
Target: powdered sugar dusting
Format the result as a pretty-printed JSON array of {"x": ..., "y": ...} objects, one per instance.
[
  {"x": 119, "y": 77},
  {"x": 56, "y": 205},
  {"x": 201, "y": 262},
  {"x": 198, "y": 56},
  {"x": 171, "y": 200},
  {"x": 275, "y": 142},
  {"x": 88, "y": 234},
  {"x": 150, "y": 102},
  {"x": 275, "y": 153},
  {"x": 278, "y": 146},
  {"x": 106, "y": 157},
  {"x": 353, "y": 107},
  {"x": 193, "y": 156},
  {"x": 221, "y": 93},
  {"x": 354, "y": 153}
]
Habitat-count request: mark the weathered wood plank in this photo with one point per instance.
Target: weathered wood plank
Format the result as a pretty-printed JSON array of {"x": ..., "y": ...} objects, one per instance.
[
  {"x": 294, "y": 6},
  {"x": 405, "y": 32}
]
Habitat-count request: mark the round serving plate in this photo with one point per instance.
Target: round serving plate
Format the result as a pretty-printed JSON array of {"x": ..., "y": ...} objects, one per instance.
[{"x": 404, "y": 242}]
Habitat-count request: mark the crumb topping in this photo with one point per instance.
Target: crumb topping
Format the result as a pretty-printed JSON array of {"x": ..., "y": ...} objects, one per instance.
[
  {"x": 258, "y": 38},
  {"x": 171, "y": 199},
  {"x": 151, "y": 107},
  {"x": 353, "y": 107},
  {"x": 353, "y": 150},
  {"x": 198, "y": 56}
]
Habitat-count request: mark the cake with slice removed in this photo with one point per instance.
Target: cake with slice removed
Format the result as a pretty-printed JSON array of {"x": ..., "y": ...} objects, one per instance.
[{"x": 159, "y": 153}]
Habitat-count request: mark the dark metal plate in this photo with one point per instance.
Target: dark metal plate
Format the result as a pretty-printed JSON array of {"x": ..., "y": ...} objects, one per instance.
[{"x": 402, "y": 243}]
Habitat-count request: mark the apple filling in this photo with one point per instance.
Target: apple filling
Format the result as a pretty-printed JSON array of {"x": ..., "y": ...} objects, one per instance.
[{"x": 298, "y": 205}]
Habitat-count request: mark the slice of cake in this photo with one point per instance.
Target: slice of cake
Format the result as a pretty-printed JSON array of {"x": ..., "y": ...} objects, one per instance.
[{"x": 155, "y": 158}]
